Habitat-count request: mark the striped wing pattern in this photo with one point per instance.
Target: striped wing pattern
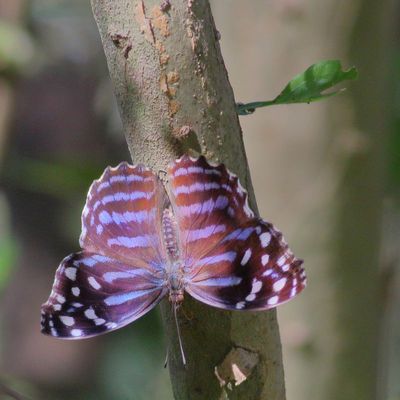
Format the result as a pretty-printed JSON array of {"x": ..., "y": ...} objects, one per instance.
[
  {"x": 122, "y": 216},
  {"x": 93, "y": 294},
  {"x": 122, "y": 258},
  {"x": 208, "y": 201},
  {"x": 233, "y": 260},
  {"x": 251, "y": 268},
  {"x": 229, "y": 258}
]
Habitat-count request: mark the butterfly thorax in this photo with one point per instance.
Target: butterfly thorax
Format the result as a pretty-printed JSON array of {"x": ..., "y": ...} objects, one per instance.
[
  {"x": 176, "y": 287},
  {"x": 175, "y": 266}
]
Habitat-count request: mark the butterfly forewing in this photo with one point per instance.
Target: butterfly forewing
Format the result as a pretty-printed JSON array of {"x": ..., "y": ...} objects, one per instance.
[
  {"x": 209, "y": 203},
  {"x": 122, "y": 216},
  {"x": 93, "y": 294}
]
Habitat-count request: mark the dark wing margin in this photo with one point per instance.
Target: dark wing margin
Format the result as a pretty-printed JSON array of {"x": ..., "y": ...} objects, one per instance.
[
  {"x": 93, "y": 294},
  {"x": 251, "y": 269}
]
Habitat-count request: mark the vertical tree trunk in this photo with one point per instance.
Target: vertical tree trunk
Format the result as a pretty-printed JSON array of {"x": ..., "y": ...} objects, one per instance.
[{"x": 174, "y": 95}]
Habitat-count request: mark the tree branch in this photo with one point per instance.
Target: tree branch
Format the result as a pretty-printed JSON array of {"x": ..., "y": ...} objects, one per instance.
[{"x": 174, "y": 97}]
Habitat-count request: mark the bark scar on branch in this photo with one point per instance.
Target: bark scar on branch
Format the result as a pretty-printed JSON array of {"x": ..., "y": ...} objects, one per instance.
[{"x": 236, "y": 367}]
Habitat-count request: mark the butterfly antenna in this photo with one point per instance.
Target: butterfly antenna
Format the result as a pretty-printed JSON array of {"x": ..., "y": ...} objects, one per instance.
[
  {"x": 167, "y": 353},
  {"x": 179, "y": 334}
]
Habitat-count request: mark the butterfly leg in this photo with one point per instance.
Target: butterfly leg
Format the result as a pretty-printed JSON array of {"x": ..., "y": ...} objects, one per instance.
[{"x": 188, "y": 316}]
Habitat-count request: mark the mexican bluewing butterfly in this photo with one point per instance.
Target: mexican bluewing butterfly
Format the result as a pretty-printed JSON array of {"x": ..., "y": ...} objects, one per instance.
[{"x": 142, "y": 240}]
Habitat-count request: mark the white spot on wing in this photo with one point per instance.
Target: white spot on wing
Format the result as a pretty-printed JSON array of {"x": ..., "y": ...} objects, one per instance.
[
  {"x": 250, "y": 297},
  {"x": 75, "y": 291},
  {"x": 273, "y": 300},
  {"x": 279, "y": 285},
  {"x": 76, "y": 332},
  {"x": 265, "y": 259},
  {"x": 257, "y": 285},
  {"x": 89, "y": 313},
  {"x": 93, "y": 283},
  {"x": 67, "y": 321},
  {"x": 268, "y": 272},
  {"x": 70, "y": 273},
  {"x": 246, "y": 257},
  {"x": 240, "y": 305},
  {"x": 265, "y": 238},
  {"x": 60, "y": 299}
]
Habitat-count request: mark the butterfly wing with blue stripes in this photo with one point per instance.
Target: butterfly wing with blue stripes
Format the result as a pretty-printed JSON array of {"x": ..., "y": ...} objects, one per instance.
[
  {"x": 122, "y": 216},
  {"x": 119, "y": 276},
  {"x": 232, "y": 259},
  {"x": 94, "y": 294},
  {"x": 138, "y": 244}
]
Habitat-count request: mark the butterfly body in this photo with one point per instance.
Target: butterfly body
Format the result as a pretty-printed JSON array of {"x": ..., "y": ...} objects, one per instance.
[{"x": 143, "y": 240}]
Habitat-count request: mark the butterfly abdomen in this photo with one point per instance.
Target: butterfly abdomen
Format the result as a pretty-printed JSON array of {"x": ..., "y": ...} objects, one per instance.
[{"x": 170, "y": 238}]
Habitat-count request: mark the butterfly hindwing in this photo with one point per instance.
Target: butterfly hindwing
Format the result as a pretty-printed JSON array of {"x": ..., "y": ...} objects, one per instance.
[
  {"x": 251, "y": 268},
  {"x": 93, "y": 294}
]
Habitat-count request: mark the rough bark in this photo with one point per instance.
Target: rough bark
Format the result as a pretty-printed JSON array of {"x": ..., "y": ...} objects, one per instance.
[{"x": 174, "y": 96}]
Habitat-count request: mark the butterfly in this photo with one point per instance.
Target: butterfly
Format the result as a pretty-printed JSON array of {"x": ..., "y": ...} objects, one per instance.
[{"x": 143, "y": 240}]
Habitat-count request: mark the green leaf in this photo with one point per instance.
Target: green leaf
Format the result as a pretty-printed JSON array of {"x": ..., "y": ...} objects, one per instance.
[{"x": 308, "y": 86}]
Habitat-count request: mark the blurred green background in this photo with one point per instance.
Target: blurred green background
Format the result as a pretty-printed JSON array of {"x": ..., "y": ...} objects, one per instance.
[{"x": 327, "y": 174}]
